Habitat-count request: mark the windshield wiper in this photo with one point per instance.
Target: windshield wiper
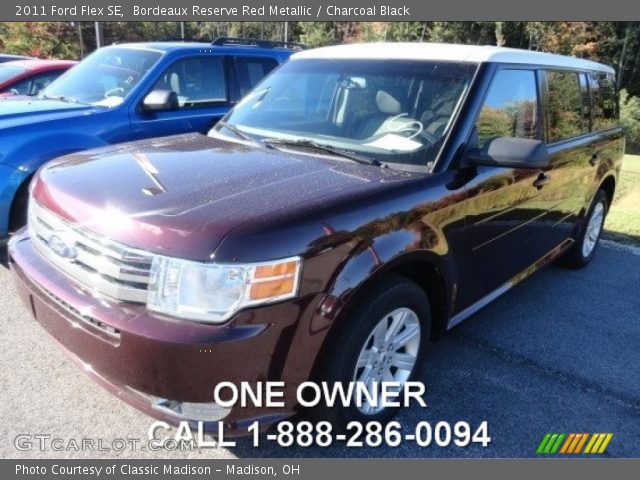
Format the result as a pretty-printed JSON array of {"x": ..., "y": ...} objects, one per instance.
[
  {"x": 62, "y": 98},
  {"x": 321, "y": 147},
  {"x": 242, "y": 135}
]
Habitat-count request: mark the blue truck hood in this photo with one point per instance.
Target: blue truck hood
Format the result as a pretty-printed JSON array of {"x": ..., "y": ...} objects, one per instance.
[{"x": 22, "y": 111}]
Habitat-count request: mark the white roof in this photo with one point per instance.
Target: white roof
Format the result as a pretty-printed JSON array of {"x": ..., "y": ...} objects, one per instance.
[{"x": 449, "y": 52}]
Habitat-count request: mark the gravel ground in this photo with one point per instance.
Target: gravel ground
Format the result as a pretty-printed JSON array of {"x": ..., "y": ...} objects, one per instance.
[{"x": 559, "y": 353}]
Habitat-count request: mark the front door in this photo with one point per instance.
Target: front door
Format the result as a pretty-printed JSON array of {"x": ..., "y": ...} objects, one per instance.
[
  {"x": 201, "y": 85},
  {"x": 511, "y": 219}
]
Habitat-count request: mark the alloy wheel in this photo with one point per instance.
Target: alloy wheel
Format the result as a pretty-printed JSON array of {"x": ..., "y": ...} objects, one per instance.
[
  {"x": 592, "y": 232},
  {"x": 389, "y": 354}
]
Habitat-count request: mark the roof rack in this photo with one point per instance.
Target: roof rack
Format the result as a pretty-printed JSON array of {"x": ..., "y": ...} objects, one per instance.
[
  {"x": 180, "y": 39},
  {"x": 254, "y": 42}
]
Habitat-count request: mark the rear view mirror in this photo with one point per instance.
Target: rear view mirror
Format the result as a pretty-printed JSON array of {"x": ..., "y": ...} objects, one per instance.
[
  {"x": 512, "y": 153},
  {"x": 160, "y": 101}
]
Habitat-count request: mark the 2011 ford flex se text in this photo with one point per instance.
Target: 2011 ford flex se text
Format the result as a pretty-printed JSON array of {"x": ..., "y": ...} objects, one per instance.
[{"x": 359, "y": 202}]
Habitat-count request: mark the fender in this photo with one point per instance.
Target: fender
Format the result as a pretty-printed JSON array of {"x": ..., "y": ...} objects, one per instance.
[
  {"x": 388, "y": 255},
  {"x": 606, "y": 176},
  {"x": 367, "y": 264},
  {"x": 33, "y": 154}
]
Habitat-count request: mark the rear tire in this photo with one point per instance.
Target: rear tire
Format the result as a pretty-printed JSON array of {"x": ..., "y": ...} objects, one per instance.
[
  {"x": 384, "y": 338},
  {"x": 586, "y": 244}
]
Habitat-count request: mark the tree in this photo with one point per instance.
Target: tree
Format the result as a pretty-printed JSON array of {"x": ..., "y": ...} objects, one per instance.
[
  {"x": 317, "y": 34},
  {"x": 630, "y": 119},
  {"x": 40, "y": 39}
]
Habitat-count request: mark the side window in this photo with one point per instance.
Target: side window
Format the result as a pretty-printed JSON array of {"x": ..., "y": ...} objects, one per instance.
[
  {"x": 42, "y": 81},
  {"x": 251, "y": 70},
  {"x": 586, "y": 103},
  {"x": 564, "y": 105},
  {"x": 23, "y": 87},
  {"x": 604, "y": 103},
  {"x": 197, "y": 81},
  {"x": 511, "y": 107}
]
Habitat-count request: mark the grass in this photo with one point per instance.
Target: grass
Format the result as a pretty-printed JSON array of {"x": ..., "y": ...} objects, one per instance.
[{"x": 623, "y": 221}]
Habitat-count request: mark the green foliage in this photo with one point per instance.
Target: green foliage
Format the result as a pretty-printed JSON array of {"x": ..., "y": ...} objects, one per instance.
[
  {"x": 493, "y": 123},
  {"x": 630, "y": 118},
  {"x": 318, "y": 34},
  {"x": 39, "y": 39}
]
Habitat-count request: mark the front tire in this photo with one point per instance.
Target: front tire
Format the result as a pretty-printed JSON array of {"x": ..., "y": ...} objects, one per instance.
[
  {"x": 585, "y": 246},
  {"x": 383, "y": 339},
  {"x": 19, "y": 207}
]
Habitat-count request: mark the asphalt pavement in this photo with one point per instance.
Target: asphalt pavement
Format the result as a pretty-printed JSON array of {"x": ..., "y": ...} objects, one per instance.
[{"x": 558, "y": 353}]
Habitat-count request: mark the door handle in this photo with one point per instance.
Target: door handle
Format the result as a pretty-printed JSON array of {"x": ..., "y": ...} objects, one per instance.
[
  {"x": 541, "y": 181},
  {"x": 594, "y": 160}
]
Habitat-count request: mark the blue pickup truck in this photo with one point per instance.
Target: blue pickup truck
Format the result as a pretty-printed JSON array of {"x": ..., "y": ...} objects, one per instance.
[{"x": 122, "y": 93}]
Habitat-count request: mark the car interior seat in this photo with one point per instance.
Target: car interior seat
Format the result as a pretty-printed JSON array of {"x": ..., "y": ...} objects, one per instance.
[{"x": 392, "y": 116}]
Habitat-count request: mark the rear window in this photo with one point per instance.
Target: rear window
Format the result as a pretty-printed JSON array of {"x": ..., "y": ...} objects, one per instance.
[
  {"x": 564, "y": 106},
  {"x": 604, "y": 102}
]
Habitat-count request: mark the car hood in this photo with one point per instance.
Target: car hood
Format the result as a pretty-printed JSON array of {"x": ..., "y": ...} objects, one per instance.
[
  {"x": 20, "y": 110},
  {"x": 181, "y": 195}
]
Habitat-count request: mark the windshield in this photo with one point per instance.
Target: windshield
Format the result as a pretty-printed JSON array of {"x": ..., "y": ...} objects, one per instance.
[
  {"x": 7, "y": 72},
  {"x": 388, "y": 111},
  {"x": 104, "y": 78}
]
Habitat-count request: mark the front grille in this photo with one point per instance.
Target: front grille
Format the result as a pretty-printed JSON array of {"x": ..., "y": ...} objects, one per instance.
[{"x": 106, "y": 267}]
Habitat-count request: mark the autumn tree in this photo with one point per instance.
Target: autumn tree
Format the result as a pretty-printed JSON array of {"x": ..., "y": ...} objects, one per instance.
[{"x": 40, "y": 39}]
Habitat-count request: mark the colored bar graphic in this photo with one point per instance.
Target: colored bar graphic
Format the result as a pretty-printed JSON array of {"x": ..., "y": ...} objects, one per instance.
[
  {"x": 582, "y": 442},
  {"x": 594, "y": 437},
  {"x": 604, "y": 445},
  {"x": 573, "y": 443},
  {"x": 543, "y": 443},
  {"x": 556, "y": 445},
  {"x": 566, "y": 445}
]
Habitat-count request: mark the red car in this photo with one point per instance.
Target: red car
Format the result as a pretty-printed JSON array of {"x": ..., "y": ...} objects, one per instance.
[{"x": 29, "y": 77}]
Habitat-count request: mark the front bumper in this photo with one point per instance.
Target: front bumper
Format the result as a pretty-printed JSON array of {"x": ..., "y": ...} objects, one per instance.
[{"x": 144, "y": 357}]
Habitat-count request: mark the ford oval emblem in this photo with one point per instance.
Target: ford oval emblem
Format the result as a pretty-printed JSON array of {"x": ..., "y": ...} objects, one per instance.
[{"x": 62, "y": 247}]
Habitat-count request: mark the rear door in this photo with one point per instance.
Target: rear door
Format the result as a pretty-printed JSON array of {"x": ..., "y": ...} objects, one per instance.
[
  {"x": 571, "y": 147},
  {"x": 201, "y": 84},
  {"x": 248, "y": 72},
  {"x": 607, "y": 141}
]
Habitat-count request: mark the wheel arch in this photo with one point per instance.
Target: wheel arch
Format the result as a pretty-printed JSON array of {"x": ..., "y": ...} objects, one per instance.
[
  {"x": 608, "y": 184},
  {"x": 431, "y": 272}
]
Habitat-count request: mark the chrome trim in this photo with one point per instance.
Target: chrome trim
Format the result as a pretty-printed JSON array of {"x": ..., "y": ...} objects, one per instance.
[
  {"x": 106, "y": 267},
  {"x": 483, "y": 302}
]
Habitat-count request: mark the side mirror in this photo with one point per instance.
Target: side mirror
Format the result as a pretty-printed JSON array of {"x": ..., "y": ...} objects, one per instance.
[
  {"x": 511, "y": 153},
  {"x": 160, "y": 101}
]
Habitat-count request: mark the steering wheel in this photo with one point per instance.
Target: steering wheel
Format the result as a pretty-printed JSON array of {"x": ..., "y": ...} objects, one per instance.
[
  {"x": 114, "y": 92},
  {"x": 430, "y": 137},
  {"x": 413, "y": 129}
]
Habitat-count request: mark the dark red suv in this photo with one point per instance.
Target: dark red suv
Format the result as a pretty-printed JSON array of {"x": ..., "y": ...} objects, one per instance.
[{"x": 359, "y": 202}]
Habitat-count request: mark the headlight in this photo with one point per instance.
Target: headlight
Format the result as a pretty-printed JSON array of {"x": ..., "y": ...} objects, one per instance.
[{"x": 212, "y": 292}]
